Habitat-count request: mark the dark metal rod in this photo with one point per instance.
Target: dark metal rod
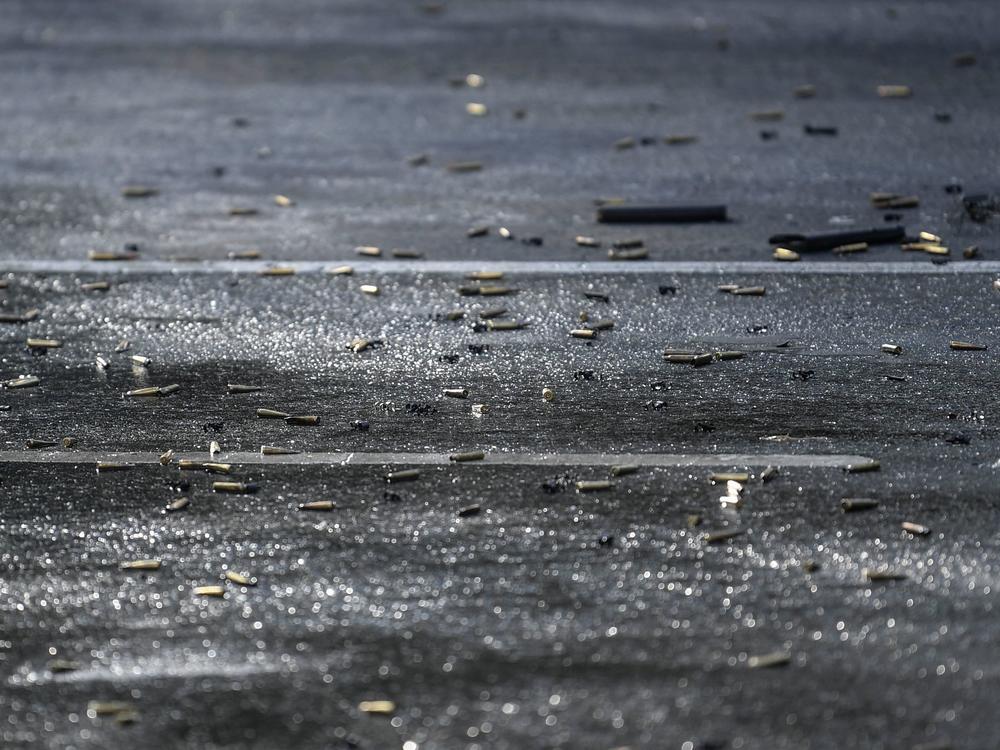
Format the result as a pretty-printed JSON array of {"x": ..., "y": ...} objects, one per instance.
[
  {"x": 659, "y": 214},
  {"x": 836, "y": 239}
]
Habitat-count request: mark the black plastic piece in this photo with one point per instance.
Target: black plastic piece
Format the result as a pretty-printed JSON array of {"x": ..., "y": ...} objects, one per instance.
[{"x": 660, "y": 214}]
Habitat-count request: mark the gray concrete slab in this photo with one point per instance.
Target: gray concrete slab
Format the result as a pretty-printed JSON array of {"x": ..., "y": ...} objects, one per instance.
[{"x": 494, "y": 603}]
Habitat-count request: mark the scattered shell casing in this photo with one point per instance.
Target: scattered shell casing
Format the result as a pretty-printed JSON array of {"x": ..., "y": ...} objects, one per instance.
[
  {"x": 243, "y": 255},
  {"x": 492, "y": 312},
  {"x": 166, "y": 390},
  {"x": 853, "y": 247},
  {"x": 455, "y": 314},
  {"x": 302, "y": 419},
  {"x": 406, "y": 475},
  {"x": 62, "y": 665},
  {"x": 634, "y": 254},
  {"x": 970, "y": 252},
  {"x": 407, "y": 254},
  {"x": 106, "y": 255},
  {"x": 138, "y": 191},
  {"x": 749, "y": 291},
  {"x": 768, "y": 115},
  {"x": 68, "y": 442},
  {"x": 101, "y": 362},
  {"x": 39, "y": 444},
  {"x": 475, "y": 81},
  {"x": 277, "y": 271},
  {"x": 623, "y": 469},
  {"x": 418, "y": 160},
  {"x": 456, "y": 392},
  {"x": 464, "y": 166},
  {"x": 891, "y": 200},
  {"x": 179, "y": 504},
  {"x": 856, "y": 504},
  {"x": 284, "y": 201},
  {"x": 270, "y": 450},
  {"x": 863, "y": 467},
  {"x": 187, "y": 464},
  {"x": 882, "y": 575},
  {"x": 381, "y": 707},
  {"x": 239, "y": 579},
  {"x": 783, "y": 253},
  {"x": 369, "y": 250},
  {"x": 928, "y": 237},
  {"x": 34, "y": 343},
  {"x": 769, "y": 473},
  {"x": 140, "y": 565},
  {"x": 583, "y": 333},
  {"x": 717, "y": 537},
  {"x": 104, "y": 466},
  {"x": 138, "y": 359},
  {"x": 505, "y": 325},
  {"x": 122, "y": 346},
  {"x": 478, "y": 231},
  {"x": 495, "y": 291},
  {"x": 729, "y": 476},
  {"x": 469, "y": 510},
  {"x": 271, "y": 414},
  {"x": 583, "y": 241},
  {"x": 340, "y": 271},
  {"x": 236, "y": 488},
  {"x": 915, "y": 528},
  {"x": 107, "y": 708},
  {"x": 147, "y": 391},
  {"x": 765, "y": 661},
  {"x": 238, "y": 388},
  {"x": 927, "y": 247},
  {"x": 594, "y": 485},
  {"x": 369, "y": 289},
  {"x": 358, "y": 345},
  {"x": 25, "y": 381},
  {"x": 892, "y": 348},
  {"x": 209, "y": 591},
  {"x": 214, "y": 448},
  {"x": 95, "y": 286},
  {"x": 605, "y": 324},
  {"x": 485, "y": 275},
  {"x": 965, "y": 346},
  {"x": 476, "y": 109},
  {"x": 623, "y": 143},
  {"x": 894, "y": 91},
  {"x": 548, "y": 394},
  {"x": 680, "y": 359},
  {"x": 468, "y": 456},
  {"x": 318, "y": 505}
]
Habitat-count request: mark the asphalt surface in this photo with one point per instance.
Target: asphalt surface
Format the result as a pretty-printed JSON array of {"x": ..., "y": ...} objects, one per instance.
[{"x": 494, "y": 603}]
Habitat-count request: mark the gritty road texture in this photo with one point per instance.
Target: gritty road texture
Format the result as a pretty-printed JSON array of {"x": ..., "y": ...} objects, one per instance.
[{"x": 496, "y": 603}]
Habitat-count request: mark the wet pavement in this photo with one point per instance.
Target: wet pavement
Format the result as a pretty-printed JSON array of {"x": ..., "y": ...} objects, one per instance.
[{"x": 496, "y": 603}]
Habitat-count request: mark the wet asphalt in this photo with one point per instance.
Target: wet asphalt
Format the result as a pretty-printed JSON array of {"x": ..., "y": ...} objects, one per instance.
[{"x": 494, "y": 603}]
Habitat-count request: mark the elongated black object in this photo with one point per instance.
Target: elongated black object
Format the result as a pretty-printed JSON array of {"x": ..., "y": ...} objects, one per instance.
[
  {"x": 831, "y": 240},
  {"x": 660, "y": 214}
]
